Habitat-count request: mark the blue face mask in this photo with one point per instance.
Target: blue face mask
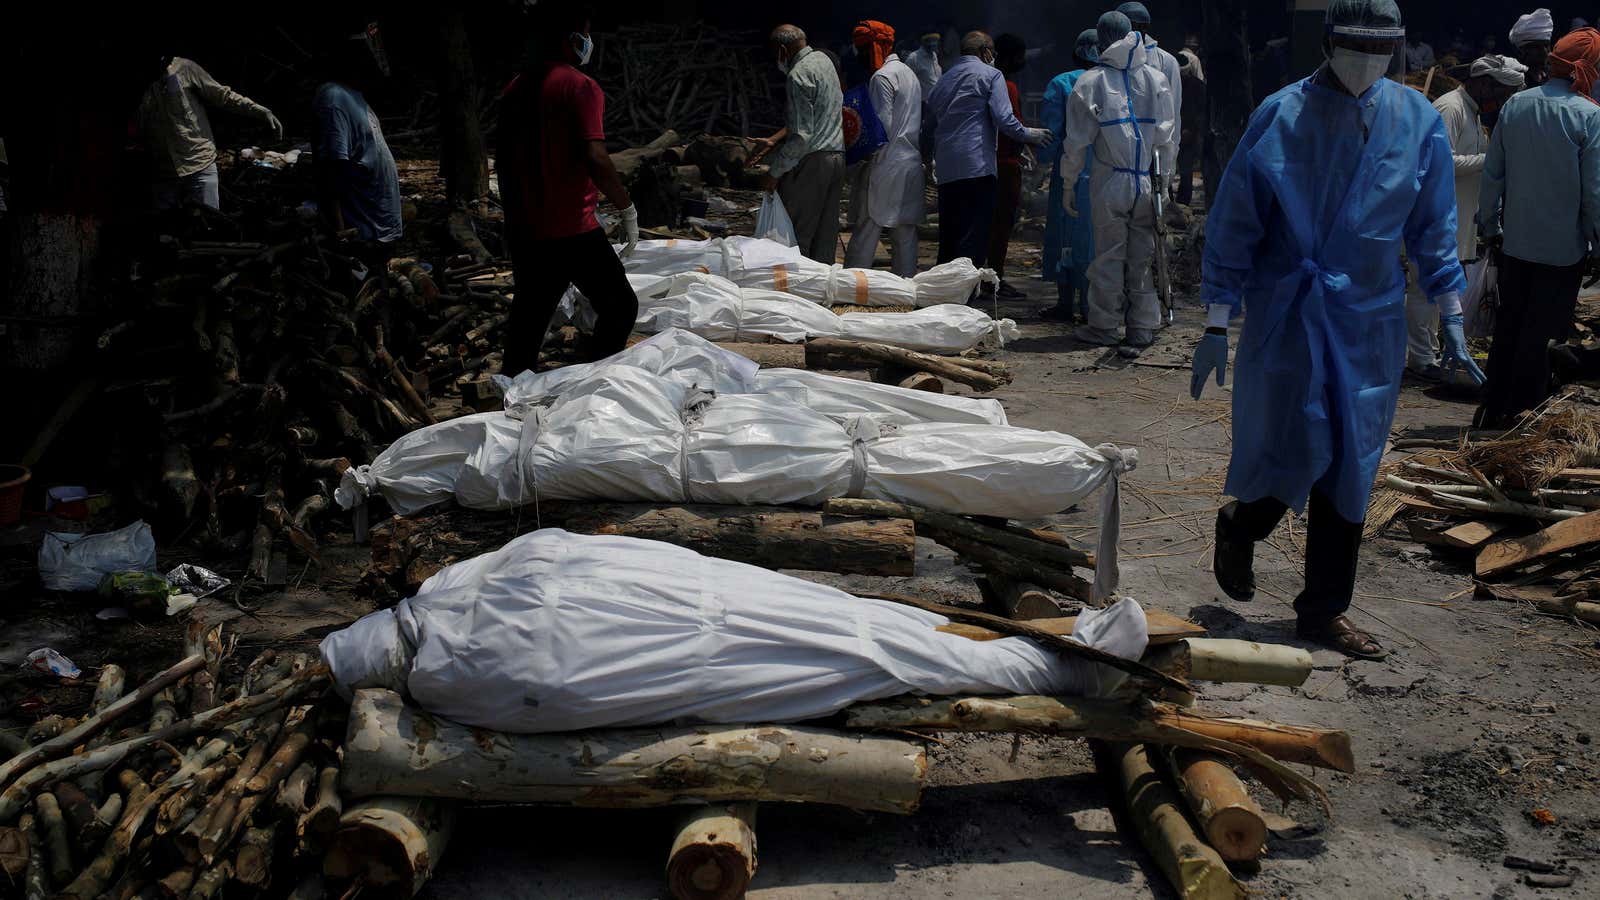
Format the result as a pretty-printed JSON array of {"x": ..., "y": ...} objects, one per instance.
[{"x": 585, "y": 48}]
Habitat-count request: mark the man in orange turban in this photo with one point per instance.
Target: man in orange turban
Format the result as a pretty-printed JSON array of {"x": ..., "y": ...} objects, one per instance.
[{"x": 891, "y": 194}]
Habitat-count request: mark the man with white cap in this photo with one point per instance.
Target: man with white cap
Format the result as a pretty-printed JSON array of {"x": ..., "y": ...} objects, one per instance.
[
  {"x": 1469, "y": 114},
  {"x": 1531, "y": 36}
]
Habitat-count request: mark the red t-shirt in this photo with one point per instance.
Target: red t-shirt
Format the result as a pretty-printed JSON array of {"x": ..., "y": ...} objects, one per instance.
[
  {"x": 547, "y": 119},
  {"x": 1008, "y": 150}
]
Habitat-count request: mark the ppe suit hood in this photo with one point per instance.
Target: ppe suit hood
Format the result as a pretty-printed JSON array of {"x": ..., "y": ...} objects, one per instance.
[{"x": 1126, "y": 54}]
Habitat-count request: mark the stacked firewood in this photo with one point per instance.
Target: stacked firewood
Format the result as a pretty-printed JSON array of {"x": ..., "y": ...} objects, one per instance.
[
  {"x": 187, "y": 786},
  {"x": 1523, "y": 506},
  {"x": 692, "y": 78}
]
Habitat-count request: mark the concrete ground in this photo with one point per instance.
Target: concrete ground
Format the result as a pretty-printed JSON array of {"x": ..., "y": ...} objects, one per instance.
[{"x": 1484, "y": 713}]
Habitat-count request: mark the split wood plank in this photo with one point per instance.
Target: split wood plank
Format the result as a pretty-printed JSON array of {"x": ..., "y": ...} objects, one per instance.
[
  {"x": 1473, "y": 535},
  {"x": 1559, "y": 537},
  {"x": 1165, "y": 628}
]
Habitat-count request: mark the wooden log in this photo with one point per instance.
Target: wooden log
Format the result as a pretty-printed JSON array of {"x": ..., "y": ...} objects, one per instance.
[
  {"x": 29, "y": 782},
  {"x": 46, "y": 729},
  {"x": 835, "y": 353},
  {"x": 997, "y": 561},
  {"x": 1242, "y": 662},
  {"x": 284, "y": 757},
  {"x": 387, "y": 364},
  {"x": 1020, "y": 599},
  {"x": 713, "y": 856},
  {"x": 390, "y": 844},
  {"x": 1545, "y": 600},
  {"x": 773, "y": 537},
  {"x": 1165, "y": 628},
  {"x": 317, "y": 826},
  {"x": 13, "y": 853},
  {"x": 922, "y": 381},
  {"x": 252, "y": 865},
  {"x": 208, "y": 884},
  {"x": 1231, "y": 820},
  {"x": 291, "y": 800},
  {"x": 393, "y": 748},
  {"x": 58, "y": 847},
  {"x": 1258, "y": 743},
  {"x": 1193, "y": 869},
  {"x": 1028, "y": 545},
  {"x": 83, "y": 819},
  {"x": 36, "y": 880},
  {"x": 1473, "y": 535},
  {"x": 771, "y": 356},
  {"x": 1571, "y": 534},
  {"x": 177, "y": 883},
  {"x": 163, "y": 709},
  {"x": 205, "y": 642}
]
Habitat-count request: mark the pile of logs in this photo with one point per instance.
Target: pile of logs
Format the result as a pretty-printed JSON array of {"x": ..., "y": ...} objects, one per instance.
[
  {"x": 1523, "y": 507},
  {"x": 691, "y": 78},
  {"x": 192, "y": 787}
]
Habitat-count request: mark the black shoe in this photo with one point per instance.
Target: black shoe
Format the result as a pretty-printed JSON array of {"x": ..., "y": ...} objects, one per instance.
[
  {"x": 1009, "y": 293},
  {"x": 1234, "y": 563},
  {"x": 1063, "y": 314}
]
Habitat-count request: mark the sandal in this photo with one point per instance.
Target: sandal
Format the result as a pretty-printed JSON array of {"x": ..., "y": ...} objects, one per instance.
[{"x": 1340, "y": 634}]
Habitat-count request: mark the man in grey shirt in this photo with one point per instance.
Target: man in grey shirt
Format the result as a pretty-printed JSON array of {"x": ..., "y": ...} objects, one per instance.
[
  {"x": 358, "y": 184},
  {"x": 174, "y": 126},
  {"x": 807, "y": 169}
]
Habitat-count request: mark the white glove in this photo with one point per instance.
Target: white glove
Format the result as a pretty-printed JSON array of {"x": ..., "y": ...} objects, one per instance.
[
  {"x": 630, "y": 230},
  {"x": 273, "y": 124},
  {"x": 1038, "y": 136},
  {"x": 1028, "y": 162}
]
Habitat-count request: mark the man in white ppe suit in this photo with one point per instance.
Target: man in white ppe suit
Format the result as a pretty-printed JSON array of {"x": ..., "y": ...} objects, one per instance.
[
  {"x": 1164, "y": 62},
  {"x": 1469, "y": 114},
  {"x": 894, "y": 175},
  {"x": 1123, "y": 108}
]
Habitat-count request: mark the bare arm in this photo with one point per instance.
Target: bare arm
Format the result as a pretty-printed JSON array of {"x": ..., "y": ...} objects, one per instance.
[{"x": 605, "y": 175}]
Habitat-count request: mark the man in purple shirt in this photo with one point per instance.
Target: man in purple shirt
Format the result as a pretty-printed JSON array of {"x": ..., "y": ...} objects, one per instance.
[{"x": 963, "y": 115}]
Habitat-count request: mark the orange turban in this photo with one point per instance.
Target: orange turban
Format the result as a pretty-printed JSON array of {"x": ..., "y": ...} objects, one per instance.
[
  {"x": 877, "y": 39},
  {"x": 1575, "y": 56}
]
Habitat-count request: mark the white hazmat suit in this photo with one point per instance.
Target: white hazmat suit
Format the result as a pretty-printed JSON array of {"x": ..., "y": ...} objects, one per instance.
[
  {"x": 1123, "y": 108},
  {"x": 894, "y": 179}
]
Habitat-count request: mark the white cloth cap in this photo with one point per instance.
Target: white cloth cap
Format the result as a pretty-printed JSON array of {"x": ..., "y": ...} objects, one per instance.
[
  {"x": 1503, "y": 69},
  {"x": 1534, "y": 27}
]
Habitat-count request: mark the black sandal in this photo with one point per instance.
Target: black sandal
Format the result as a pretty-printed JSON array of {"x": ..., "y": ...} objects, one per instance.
[{"x": 1340, "y": 634}]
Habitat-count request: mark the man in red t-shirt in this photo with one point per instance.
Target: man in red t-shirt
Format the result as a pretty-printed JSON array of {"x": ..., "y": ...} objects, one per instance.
[
  {"x": 553, "y": 166},
  {"x": 1010, "y": 53}
]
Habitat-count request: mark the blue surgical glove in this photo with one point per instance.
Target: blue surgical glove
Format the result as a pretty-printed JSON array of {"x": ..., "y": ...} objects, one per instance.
[
  {"x": 1453, "y": 334},
  {"x": 1210, "y": 355}
]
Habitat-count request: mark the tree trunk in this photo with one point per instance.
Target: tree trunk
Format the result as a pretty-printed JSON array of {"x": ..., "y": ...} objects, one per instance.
[
  {"x": 713, "y": 856},
  {"x": 835, "y": 353},
  {"x": 1247, "y": 662},
  {"x": 1228, "y": 98},
  {"x": 393, "y": 748},
  {"x": 391, "y": 845},
  {"x": 1020, "y": 599},
  {"x": 56, "y": 278},
  {"x": 462, "y": 159},
  {"x": 1230, "y": 819},
  {"x": 1013, "y": 540},
  {"x": 1195, "y": 870}
]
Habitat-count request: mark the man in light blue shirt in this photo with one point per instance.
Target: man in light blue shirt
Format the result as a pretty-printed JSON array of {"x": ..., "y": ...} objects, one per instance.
[
  {"x": 964, "y": 113},
  {"x": 807, "y": 169},
  {"x": 1540, "y": 201}
]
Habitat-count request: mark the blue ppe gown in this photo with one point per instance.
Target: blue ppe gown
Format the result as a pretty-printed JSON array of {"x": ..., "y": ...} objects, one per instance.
[
  {"x": 1306, "y": 231},
  {"x": 1066, "y": 239}
]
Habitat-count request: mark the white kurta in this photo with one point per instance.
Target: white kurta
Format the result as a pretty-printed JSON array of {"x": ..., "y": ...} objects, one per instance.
[
  {"x": 1469, "y": 143},
  {"x": 894, "y": 188},
  {"x": 926, "y": 65}
]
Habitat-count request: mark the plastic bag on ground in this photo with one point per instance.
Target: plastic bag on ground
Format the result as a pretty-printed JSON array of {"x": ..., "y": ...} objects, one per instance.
[
  {"x": 77, "y": 562},
  {"x": 562, "y": 632},
  {"x": 772, "y": 222}
]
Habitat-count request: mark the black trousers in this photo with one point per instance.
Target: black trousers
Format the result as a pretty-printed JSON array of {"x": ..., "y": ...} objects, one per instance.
[
  {"x": 966, "y": 213},
  {"x": 1332, "y": 546},
  {"x": 543, "y": 270},
  {"x": 1536, "y": 307}
]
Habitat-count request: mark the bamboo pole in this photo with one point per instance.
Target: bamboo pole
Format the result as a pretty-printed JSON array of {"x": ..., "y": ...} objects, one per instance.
[
  {"x": 713, "y": 856},
  {"x": 1233, "y": 661}
]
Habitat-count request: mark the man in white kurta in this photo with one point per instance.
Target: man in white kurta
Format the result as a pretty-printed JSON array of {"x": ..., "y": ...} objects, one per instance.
[
  {"x": 894, "y": 181},
  {"x": 1468, "y": 112}
]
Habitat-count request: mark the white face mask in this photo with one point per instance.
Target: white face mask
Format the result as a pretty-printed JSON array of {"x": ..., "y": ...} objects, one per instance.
[
  {"x": 1359, "y": 71},
  {"x": 783, "y": 64},
  {"x": 585, "y": 48}
]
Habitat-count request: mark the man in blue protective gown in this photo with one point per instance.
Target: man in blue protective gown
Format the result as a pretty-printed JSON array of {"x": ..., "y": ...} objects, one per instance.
[
  {"x": 1335, "y": 177},
  {"x": 1068, "y": 242}
]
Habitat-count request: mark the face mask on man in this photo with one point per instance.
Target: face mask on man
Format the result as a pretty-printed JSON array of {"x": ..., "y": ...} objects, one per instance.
[
  {"x": 1359, "y": 71},
  {"x": 783, "y": 64},
  {"x": 585, "y": 48}
]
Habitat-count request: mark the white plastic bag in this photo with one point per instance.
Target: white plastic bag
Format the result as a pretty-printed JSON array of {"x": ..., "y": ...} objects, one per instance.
[
  {"x": 772, "y": 223},
  {"x": 1481, "y": 300},
  {"x": 77, "y": 562},
  {"x": 562, "y": 632}
]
